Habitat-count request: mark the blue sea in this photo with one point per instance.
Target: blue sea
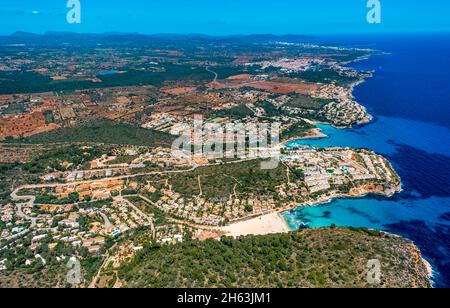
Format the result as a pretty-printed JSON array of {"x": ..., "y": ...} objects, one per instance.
[{"x": 409, "y": 97}]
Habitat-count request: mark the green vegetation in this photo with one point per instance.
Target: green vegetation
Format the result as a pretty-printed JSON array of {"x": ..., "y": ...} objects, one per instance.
[
  {"x": 53, "y": 274},
  {"x": 299, "y": 129},
  {"x": 12, "y": 175},
  {"x": 96, "y": 204},
  {"x": 307, "y": 102},
  {"x": 28, "y": 82},
  {"x": 123, "y": 159},
  {"x": 36, "y": 276},
  {"x": 270, "y": 109},
  {"x": 102, "y": 131},
  {"x": 225, "y": 71},
  {"x": 49, "y": 117},
  {"x": 51, "y": 199},
  {"x": 62, "y": 159},
  {"x": 310, "y": 258},
  {"x": 22, "y": 82},
  {"x": 5, "y": 175},
  {"x": 222, "y": 181},
  {"x": 14, "y": 109},
  {"x": 239, "y": 112},
  {"x": 160, "y": 217},
  {"x": 325, "y": 75}
]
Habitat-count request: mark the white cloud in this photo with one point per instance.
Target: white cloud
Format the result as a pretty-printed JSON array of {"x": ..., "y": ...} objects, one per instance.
[{"x": 35, "y": 12}]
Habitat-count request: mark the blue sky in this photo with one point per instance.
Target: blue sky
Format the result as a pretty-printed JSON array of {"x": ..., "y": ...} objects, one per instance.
[{"x": 225, "y": 16}]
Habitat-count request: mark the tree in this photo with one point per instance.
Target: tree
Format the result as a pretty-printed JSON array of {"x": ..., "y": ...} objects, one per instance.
[
  {"x": 74, "y": 197},
  {"x": 248, "y": 208}
]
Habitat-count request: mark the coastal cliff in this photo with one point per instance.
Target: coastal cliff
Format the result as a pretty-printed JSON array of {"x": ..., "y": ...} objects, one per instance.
[{"x": 331, "y": 257}]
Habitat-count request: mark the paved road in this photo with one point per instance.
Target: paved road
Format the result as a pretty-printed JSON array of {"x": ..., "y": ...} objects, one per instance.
[
  {"x": 16, "y": 236},
  {"x": 107, "y": 223},
  {"x": 122, "y": 177},
  {"x": 216, "y": 76},
  {"x": 93, "y": 283},
  {"x": 30, "y": 200},
  {"x": 149, "y": 219},
  {"x": 29, "y": 203}
]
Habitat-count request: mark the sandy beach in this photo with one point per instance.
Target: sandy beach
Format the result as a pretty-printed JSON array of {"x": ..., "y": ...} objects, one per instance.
[
  {"x": 314, "y": 133},
  {"x": 266, "y": 224}
]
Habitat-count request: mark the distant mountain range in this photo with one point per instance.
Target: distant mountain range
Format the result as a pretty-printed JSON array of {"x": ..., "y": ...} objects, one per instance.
[{"x": 121, "y": 38}]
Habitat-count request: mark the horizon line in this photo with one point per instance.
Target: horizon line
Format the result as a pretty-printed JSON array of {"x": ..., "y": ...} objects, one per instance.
[{"x": 446, "y": 31}]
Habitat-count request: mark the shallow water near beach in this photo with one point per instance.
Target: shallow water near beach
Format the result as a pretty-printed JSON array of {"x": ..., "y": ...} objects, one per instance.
[{"x": 416, "y": 142}]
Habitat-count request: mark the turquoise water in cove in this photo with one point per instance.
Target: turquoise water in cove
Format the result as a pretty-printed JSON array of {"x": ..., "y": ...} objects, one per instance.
[{"x": 410, "y": 99}]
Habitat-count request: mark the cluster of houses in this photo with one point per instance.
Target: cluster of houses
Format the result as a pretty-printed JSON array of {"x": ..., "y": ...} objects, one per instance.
[
  {"x": 292, "y": 65},
  {"x": 169, "y": 234},
  {"x": 214, "y": 212},
  {"x": 343, "y": 110},
  {"x": 99, "y": 190},
  {"x": 335, "y": 166}
]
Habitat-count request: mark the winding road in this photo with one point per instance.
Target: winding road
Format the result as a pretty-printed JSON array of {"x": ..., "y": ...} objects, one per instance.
[
  {"x": 30, "y": 200},
  {"x": 216, "y": 76}
]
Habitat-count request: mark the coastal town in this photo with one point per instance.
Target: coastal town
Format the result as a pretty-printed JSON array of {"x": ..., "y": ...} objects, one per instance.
[
  {"x": 88, "y": 167},
  {"x": 87, "y": 208}
]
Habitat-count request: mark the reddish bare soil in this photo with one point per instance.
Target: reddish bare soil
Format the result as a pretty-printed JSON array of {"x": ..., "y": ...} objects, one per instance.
[
  {"x": 276, "y": 87},
  {"x": 180, "y": 90}
]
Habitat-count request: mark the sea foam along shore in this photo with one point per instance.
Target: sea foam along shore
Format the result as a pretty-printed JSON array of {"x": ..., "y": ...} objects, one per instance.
[{"x": 429, "y": 268}]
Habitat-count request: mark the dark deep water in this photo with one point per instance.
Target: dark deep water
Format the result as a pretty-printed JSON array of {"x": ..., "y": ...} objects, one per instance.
[{"x": 410, "y": 99}]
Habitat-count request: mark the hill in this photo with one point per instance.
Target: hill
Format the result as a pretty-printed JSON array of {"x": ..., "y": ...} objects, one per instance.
[{"x": 310, "y": 258}]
